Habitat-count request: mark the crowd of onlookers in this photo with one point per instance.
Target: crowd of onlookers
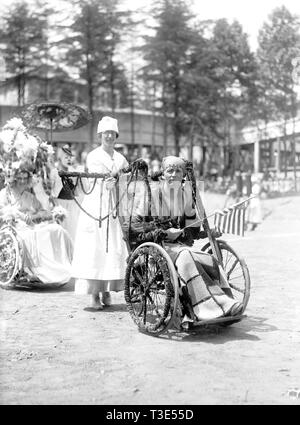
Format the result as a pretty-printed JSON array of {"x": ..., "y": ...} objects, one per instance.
[{"x": 272, "y": 183}]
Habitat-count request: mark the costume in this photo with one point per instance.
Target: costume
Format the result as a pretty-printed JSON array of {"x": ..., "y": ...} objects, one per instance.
[
  {"x": 47, "y": 248},
  {"x": 25, "y": 204},
  {"x": 100, "y": 252}
]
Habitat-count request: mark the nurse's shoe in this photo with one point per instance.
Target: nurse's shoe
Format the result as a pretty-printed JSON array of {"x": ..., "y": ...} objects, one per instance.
[
  {"x": 106, "y": 298},
  {"x": 95, "y": 303}
]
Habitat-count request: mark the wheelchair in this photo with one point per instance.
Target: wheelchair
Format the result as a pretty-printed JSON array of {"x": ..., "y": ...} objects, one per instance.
[
  {"x": 152, "y": 290},
  {"x": 152, "y": 287},
  {"x": 14, "y": 272}
]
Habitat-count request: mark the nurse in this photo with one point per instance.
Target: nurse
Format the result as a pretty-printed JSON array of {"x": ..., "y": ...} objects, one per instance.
[{"x": 100, "y": 252}]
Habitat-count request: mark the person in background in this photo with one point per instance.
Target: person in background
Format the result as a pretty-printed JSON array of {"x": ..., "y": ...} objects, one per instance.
[
  {"x": 155, "y": 165},
  {"x": 100, "y": 251},
  {"x": 254, "y": 210},
  {"x": 65, "y": 197}
]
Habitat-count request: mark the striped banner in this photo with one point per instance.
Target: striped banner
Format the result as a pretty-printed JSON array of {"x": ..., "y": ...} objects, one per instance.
[{"x": 231, "y": 220}]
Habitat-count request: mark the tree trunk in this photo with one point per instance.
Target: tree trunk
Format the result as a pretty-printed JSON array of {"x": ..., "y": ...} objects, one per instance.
[
  {"x": 177, "y": 143},
  {"x": 191, "y": 148},
  {"x": 237, "y": 162},
  {"x": 165, "y": 123},
  {"x": 191, "y": 142},
  {"x": 279, "y": 156},
  {"x": 176, "y": 120},
  {"x": 112, "y": 87},
  {"x": 165, "y": 134},
  {"x": 294, "y": 156},
  {"x": 19, "y": 78},
  {"x": 23, "y": 79},
  {"x": 285, "y": 148},
  {"x": 295, "y": 113},
  {"x": 89, "y": 79},
  {"x": 132, "y": 117},
  {"x": 132, "y": 126},
  {"x": 153, "y": 131},
  {"x": 46, "y": 87},
  {"x": 90, "y": 87},
  {"x": 91, "y": 111},
  {"x": 19, "y": 89},
  {"x": 22, "y": 89}
]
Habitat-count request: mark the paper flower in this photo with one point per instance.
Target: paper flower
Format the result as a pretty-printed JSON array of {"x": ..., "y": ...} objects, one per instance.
[
  {"x": 46, "y": 148},
  {"x": 14, "y": 124},
  {"x": 59, "y": 214},
  {"x": 9, "y": 213},
  {"x": 16, "y": 141}
]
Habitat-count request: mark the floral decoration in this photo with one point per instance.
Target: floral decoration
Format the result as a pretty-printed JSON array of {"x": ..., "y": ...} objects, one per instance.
[{"x": 20, "y": 150}]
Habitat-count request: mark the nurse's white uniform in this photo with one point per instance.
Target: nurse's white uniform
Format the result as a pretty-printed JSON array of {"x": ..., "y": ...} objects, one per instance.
[{"x": 99, "y": 262}]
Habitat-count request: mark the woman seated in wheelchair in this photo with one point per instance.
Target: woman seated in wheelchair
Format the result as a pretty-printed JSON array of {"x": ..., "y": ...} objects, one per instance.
[
  {"x": 204, "y": 291},
  {"x": 45, "y": 246}
]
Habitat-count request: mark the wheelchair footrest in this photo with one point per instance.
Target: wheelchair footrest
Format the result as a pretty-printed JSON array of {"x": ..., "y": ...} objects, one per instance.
[{"x": 220, "y": 320}]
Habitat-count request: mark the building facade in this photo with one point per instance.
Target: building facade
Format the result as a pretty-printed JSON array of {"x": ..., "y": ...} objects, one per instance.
[
  {"x": 141, "y": 132},
  {"x": 274, "y": 147}
]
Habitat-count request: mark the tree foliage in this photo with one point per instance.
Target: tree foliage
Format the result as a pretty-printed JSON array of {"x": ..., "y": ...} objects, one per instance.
[
  {"x": 203, "y": 81},
  {"x": 24, "y": 42},
  {"x": 166, "y": 54},
  {"x": 200, "y": 75},
  {"x": 91, "y": 46},
  {"x": 279, "y": 44}
]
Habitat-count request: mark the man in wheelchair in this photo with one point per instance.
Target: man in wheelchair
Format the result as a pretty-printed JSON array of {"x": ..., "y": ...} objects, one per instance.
[{"x": 204, "y": 292}]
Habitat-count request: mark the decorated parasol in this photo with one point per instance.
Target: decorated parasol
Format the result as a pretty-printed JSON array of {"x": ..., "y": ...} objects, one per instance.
[{"x": 54, "y": 116}]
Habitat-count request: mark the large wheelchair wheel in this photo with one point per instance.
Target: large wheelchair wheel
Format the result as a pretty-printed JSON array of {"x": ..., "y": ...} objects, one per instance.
[
  {"x": 10, "y": 257},
  {"x": 236, "y": 271},
  {"x": 151, "y": 288}
]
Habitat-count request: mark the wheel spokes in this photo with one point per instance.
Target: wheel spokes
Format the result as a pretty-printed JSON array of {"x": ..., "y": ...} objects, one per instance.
[
  {"x": 242, "y": 291},
  {"x": 232, "y": 268},
  {"x": 236, "y": 271},
  {"x": 149, "y": 298},
  {"x": 139, "y": 277},
  {"x": 144, "y": 309},
  {"x": 154, "y": 306},
  {"x": 8, "y": 257}
]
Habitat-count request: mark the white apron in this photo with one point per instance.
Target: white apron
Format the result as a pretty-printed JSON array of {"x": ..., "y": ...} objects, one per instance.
[{"x": 100, "y": 253}]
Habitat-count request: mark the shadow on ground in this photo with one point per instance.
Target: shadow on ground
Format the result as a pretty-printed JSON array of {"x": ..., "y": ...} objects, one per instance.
[
  {"x": 108, "y": 309},
  {"x": 218, "y": 334},
  {"x": 68, "y": 287}
]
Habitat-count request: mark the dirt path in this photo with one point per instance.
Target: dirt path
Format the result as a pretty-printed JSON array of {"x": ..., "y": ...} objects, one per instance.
[{"x": 55, "y": 352}]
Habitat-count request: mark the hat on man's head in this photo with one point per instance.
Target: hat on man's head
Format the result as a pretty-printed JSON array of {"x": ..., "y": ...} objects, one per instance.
[
  {"x": 67, "y": 150},
  {"x": 173, "y": 161},
  {"x": 108, "y": 124}
]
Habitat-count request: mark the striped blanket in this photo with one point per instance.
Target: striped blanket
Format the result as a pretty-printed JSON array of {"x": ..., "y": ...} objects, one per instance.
[{"x": 193, "y": 267}]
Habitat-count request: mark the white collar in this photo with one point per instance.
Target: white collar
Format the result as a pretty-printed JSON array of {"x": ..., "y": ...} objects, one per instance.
[{"x": 112, "y": 158}]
